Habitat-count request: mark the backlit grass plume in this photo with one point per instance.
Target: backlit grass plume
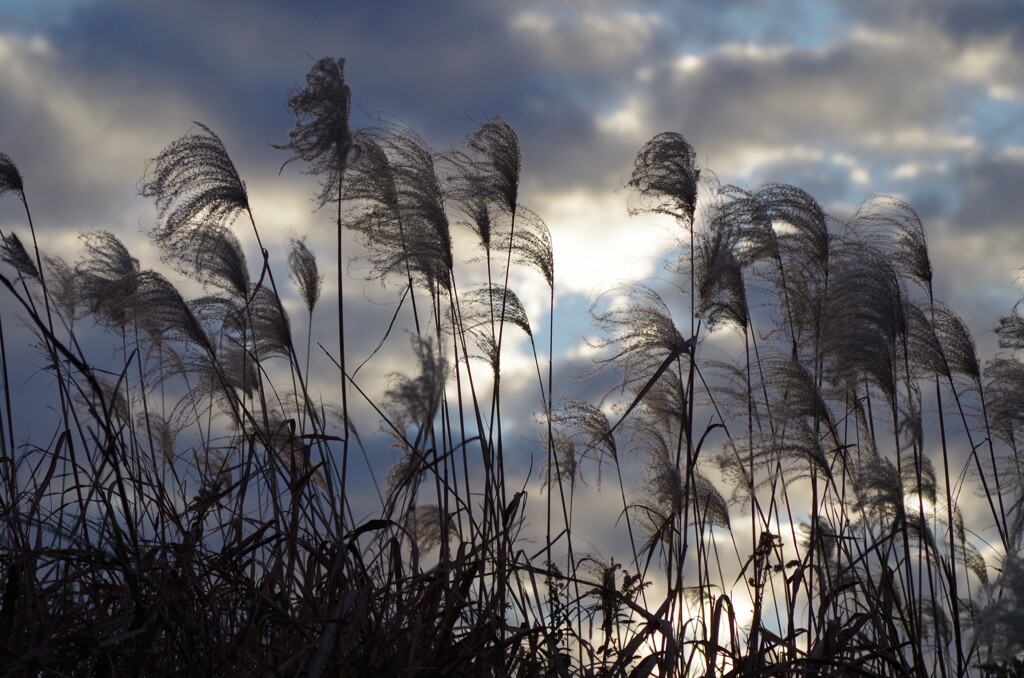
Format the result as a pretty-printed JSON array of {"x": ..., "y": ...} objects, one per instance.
[
  {"x": 194, "y": 183},
  {"x": 14, "y": 254},
  {"x": 666, "y": 177},
  {"x": 304, "y": 272},
  {"x": 640, "y": 332},
  {"x": 321, "y": 136},
  {"x": 531, "y": 245},
  {"x": 10, "y": 177}
]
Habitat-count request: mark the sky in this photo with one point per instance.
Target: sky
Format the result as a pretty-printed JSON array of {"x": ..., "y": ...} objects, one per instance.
[{"x": 919, "y": 100}]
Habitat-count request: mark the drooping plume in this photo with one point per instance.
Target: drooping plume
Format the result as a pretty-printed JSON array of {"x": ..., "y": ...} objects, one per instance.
[
  {"x": 401, "y": 216},
  {"x": 10, "y": 177},
  {"x": 900, "y": 221},
  {"x": 213, "y": 256},
  {"x": 321, "y": 136},
  {"x": 666, "y": 176},
  {"x": 640, "y": 333},
  {"x": 531, "y": 245},
  {"x": 721, "y": 290},
  {"x": 194, "y": 183},
  {"x": 495, "y": 161},
  {"x": 13, "y": 253}
]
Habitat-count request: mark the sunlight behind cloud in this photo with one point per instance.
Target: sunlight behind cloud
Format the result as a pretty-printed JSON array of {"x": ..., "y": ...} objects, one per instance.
[
  {"x": 744, "y": 162},
  {"x": 596, "y": 242},
  {"x": 689, "y": 63},
  {"x": 628, "y": 121}
]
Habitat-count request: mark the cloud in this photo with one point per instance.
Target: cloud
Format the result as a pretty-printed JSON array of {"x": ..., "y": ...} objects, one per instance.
[
  {"x": 82, "y": 139},
  {"x": 989, "y": 187}
]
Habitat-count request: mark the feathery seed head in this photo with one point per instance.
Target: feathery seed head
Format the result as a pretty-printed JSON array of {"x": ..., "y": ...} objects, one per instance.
[
  {"x": 65, "y": 283},
  {"x": 864, "y": 317},
  {"x": 1011, "y": 330},
  {"x": 666, "y": 176},
  {"x": 640, "y": 332},
  {"x": 106, "y": 269},
  {"x": 194, "y": 182},
  {"x": 822, "y": 537},
  {"x": 531, "y": 245},
  {"x": 105, "y": 257},
  {"x": 10, "y": 177},
  {"x": 721, "y": 290},
  {"x": 484, "y": 305},
  {"x": 898, "y": 220},
  {"x": 588, "y": 425},
  {"x": 957, "y": 343},
  {"x": 1004, "y": 388},
  {"x": 308, "y": 279},
  {"x": 154, "y": 305},
  {"x": 321, "y": 136},
  {"x": 212, "y": 255},
  {"x": 416, "y": 399},
  {"x": 428, "y": 526},
  {"x": 402, "y": 218},
  {"x": 928, "y": 485},
  {"x": 784, "y": 204},
  {"x": 566, "y": 461},
  {"x": 271, "y": 329},
  {"x": 469, "y": 193},
  {"x": 231, "y": 367},
  {"x": 878, "y": 486},
  {"x": 668, "y": 495},
  {"x": 13, "y": 252},
  {"x": 498, "y": 160}
]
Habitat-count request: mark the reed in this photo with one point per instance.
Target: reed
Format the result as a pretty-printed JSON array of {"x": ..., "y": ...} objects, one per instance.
[{"x": 795, "y": 429}]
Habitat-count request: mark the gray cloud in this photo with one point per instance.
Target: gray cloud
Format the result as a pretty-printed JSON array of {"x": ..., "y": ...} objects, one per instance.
[{"x": 989, "y": 188}]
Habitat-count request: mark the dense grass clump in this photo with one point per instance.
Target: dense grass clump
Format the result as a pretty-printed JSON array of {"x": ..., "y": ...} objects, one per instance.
[{"x": 794, "y": 508}]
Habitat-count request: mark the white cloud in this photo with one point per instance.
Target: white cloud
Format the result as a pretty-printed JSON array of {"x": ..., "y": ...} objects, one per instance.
[
  {"x": 915, "y": 170},
  {"x": 979, "y": 62},
  {"x": 918, "y": 139},
  {"x": 688, "y": 63},
  {"x": 588, "y": 39},
  {"x": 534, "y": 23},
  {"x": 748, "y": 51},
  {"x": 629, "y": 121},
  {"x": 744, "y": 161},
  {"x": 82, "y": 138},
  {"x": 597, "y": 243}
]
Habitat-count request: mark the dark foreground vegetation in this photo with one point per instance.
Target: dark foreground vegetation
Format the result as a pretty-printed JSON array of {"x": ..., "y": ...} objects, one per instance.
[{"x": 798, "y": 512}]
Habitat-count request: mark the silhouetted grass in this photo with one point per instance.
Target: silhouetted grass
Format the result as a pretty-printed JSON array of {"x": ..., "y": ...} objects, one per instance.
[{"x": 794, "y": 509}]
